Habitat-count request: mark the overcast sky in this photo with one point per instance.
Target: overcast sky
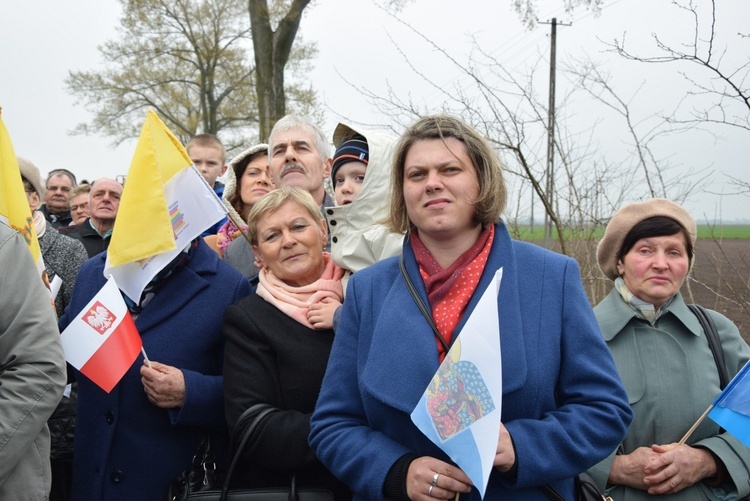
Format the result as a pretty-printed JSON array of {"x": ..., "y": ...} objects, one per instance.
[{"x": 358, "y": 43}]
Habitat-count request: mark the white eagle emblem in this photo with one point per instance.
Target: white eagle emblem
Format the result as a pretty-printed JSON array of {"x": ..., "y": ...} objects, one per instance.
[{"x": 99, "y": 318}]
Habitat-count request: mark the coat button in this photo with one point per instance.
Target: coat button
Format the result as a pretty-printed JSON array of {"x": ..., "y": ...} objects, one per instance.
[
  {"x": 116, "y": 477},
  {"x": 335, "y": 239},
  {"x": 110, "y": 417},
  {"x": 330, "y": 212},
  {"x": 332, "y": 222}
]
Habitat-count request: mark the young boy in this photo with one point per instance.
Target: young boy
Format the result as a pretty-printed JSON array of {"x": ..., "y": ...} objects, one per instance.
[
  {"x": 210, "y": 157},
  {"x": 348, "y": 171}
]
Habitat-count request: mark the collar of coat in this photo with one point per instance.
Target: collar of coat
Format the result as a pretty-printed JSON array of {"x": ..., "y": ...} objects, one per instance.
[{"x": 614, "y": 314}]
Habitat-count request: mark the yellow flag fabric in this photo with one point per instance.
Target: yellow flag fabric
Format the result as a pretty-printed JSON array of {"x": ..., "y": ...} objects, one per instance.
[
  {"x": 143, "y": 227},
  {"x": 14, "y": 207}
]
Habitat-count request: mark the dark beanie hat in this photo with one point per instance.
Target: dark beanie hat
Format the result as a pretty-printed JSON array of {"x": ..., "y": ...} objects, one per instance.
[{"x": 352, "y": 150}]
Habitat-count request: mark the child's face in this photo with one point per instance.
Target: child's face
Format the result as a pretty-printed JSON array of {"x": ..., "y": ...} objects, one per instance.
[
  {"x": 209, "y": 162},
  {"x": 348, "y": 181}
]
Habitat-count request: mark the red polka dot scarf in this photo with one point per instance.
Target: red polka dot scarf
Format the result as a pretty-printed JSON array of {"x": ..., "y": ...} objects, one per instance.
[{"x": 449, "y": 290}]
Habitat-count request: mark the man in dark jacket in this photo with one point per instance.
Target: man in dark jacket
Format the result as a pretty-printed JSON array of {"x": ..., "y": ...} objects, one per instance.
[
  {"x": 56, "y": 208},
  {"x": 95, "y": 232}
]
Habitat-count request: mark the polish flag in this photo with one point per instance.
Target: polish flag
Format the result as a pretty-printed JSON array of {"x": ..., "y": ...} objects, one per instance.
[{"x": 102, "y": 342}]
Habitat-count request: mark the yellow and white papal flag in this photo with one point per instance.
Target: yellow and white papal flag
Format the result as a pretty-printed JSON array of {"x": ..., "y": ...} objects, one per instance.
[{"x": 165, "y": 204}]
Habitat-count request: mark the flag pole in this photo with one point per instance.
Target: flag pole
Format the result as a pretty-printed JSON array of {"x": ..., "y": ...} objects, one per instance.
[
  {"x": 145, "y": 357},
  {"x": 695, "y": 425}
]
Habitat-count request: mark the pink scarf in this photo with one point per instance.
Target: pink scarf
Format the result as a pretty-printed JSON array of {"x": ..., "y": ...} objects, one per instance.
[
  {"x": 295, "y": 301},
  {"x": 226, "y": 234}
]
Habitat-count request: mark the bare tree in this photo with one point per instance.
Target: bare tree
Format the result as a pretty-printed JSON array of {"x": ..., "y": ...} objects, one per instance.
[{"x": 727, "y": 84}]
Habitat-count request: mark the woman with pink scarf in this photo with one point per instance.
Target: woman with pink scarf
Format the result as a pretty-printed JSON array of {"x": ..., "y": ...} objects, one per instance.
[{"x": 276, "y": 349}]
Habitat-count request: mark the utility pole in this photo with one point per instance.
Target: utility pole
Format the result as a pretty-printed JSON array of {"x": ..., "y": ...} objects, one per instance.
[{"x": 550, "y": 185}]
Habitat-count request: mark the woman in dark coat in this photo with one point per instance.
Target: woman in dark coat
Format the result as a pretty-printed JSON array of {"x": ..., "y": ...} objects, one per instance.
[{"x": 274, "y": 355}]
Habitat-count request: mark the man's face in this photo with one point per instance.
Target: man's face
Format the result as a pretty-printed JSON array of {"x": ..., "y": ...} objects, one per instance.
[
  {"x": 295, "y": 161},
  {"x": 56, "y": 196},
  {"x": 209, "y": 161},
  {"x": 104, "y": 200}
]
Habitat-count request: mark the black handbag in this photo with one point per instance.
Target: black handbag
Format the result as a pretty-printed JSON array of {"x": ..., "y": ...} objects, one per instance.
[
  {"x": 201, "y": 481},
  {"x": 586, "y": 489}
]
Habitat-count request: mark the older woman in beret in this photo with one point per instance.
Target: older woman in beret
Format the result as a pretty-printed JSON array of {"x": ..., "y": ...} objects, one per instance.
[{"x": 665, "y": 361}]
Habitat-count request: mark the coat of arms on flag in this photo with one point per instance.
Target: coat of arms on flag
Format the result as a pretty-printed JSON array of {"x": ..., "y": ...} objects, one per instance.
[{"x": 461, "y": 408}]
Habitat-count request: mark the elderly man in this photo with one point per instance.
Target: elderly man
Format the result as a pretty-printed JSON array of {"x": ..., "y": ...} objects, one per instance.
[
  {"x": 56, "y": 208},
  {"x": 298, "y": 155},
  {"x": 95, "y": 232}
]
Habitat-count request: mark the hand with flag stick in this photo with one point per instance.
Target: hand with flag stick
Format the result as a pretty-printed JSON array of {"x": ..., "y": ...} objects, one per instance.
[{"x": 167, "y": 302}]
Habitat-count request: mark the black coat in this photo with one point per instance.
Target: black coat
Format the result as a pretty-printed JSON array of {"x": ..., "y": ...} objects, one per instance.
[
  {"x": 270, "y": 358},
  {"x": 88, "y": 236}
]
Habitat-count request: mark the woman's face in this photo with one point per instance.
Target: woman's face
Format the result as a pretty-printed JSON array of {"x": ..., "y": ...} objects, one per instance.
[
  {"x": 255, "y": 181},
  {"x": 654, "y": 269},
  {"x": 440, "y": 189},
  {"x": 290, "y": 244}
]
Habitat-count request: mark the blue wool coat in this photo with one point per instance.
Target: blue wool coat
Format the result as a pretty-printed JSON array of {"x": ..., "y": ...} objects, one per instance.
[
  {"x": 563, "y": 402},
  {"x": 126, "y": 447}
]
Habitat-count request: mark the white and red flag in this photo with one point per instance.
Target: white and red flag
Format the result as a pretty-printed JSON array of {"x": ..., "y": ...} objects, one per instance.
[{"x": 102, "y": 342}]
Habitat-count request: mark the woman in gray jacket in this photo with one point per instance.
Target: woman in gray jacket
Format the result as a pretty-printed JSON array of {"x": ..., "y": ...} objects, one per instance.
[{"x": 666, "y": 364}]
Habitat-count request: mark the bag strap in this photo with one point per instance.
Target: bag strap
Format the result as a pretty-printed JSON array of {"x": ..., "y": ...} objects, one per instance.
[
  {"x": 712, "y": 335},
  {"x": 420, "y": 304},
  {"x": 265, "y": 410}
]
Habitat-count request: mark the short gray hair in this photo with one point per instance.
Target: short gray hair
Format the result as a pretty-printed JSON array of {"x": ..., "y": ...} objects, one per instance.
[{"x": 290, "y": 122}]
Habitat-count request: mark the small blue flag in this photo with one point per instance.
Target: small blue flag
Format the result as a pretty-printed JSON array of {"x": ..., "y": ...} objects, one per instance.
[{"x": 731, "y": 408}]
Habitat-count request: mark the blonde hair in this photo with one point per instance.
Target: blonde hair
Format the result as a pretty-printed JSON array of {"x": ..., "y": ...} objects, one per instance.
[
  {"x": 492, "y": 197},
  {"x": 272, "y": 201}
]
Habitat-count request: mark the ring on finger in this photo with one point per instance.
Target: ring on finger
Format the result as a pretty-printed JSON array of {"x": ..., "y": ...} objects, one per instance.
[
  {"x": 429, "y": 493},
  {"x": 435, "y": 479}
]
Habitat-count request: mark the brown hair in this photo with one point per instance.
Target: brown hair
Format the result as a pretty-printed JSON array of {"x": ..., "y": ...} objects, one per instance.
[{"x": 492, "y": 197}]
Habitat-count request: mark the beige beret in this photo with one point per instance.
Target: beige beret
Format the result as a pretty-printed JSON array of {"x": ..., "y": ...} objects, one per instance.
[
  {"x": 30, "y": 173},
  {"x": 626, "y": 218}
]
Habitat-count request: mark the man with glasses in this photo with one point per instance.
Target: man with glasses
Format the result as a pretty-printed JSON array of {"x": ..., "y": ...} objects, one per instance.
[{"x": 56, "y": 208}]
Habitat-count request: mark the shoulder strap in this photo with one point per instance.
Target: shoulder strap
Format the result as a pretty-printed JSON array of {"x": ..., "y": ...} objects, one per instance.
[
  {"x": 265, "y": 410},
  {"x": 420, "y": 303},
  {"x": 712, "y": 335}
]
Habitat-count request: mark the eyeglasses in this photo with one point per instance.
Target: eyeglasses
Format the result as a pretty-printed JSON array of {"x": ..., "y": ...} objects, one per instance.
[{"x": 81, "y": 206}]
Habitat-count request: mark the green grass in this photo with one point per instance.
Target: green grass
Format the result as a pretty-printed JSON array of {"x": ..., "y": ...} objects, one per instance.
[{"x": 739, "y": 231}]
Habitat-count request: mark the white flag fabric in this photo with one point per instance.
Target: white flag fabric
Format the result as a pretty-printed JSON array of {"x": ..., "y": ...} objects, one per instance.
[
  {"x": 193, "y": 206},
  {"x": 461, "y": 408}
]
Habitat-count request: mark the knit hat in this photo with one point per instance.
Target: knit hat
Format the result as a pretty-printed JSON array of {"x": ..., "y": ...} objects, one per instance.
[
  {"x": 351, "y": 150},
  {"x": 231, "y": 186},
  {"x": 626, "y": 218},
  {"x": 30, "y": 173}
]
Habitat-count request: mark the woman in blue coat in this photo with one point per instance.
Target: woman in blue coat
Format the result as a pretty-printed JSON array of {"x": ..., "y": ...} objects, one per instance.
[
  {"x": 132, "y": 441},
  {"x": 563, "y": 405}
]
